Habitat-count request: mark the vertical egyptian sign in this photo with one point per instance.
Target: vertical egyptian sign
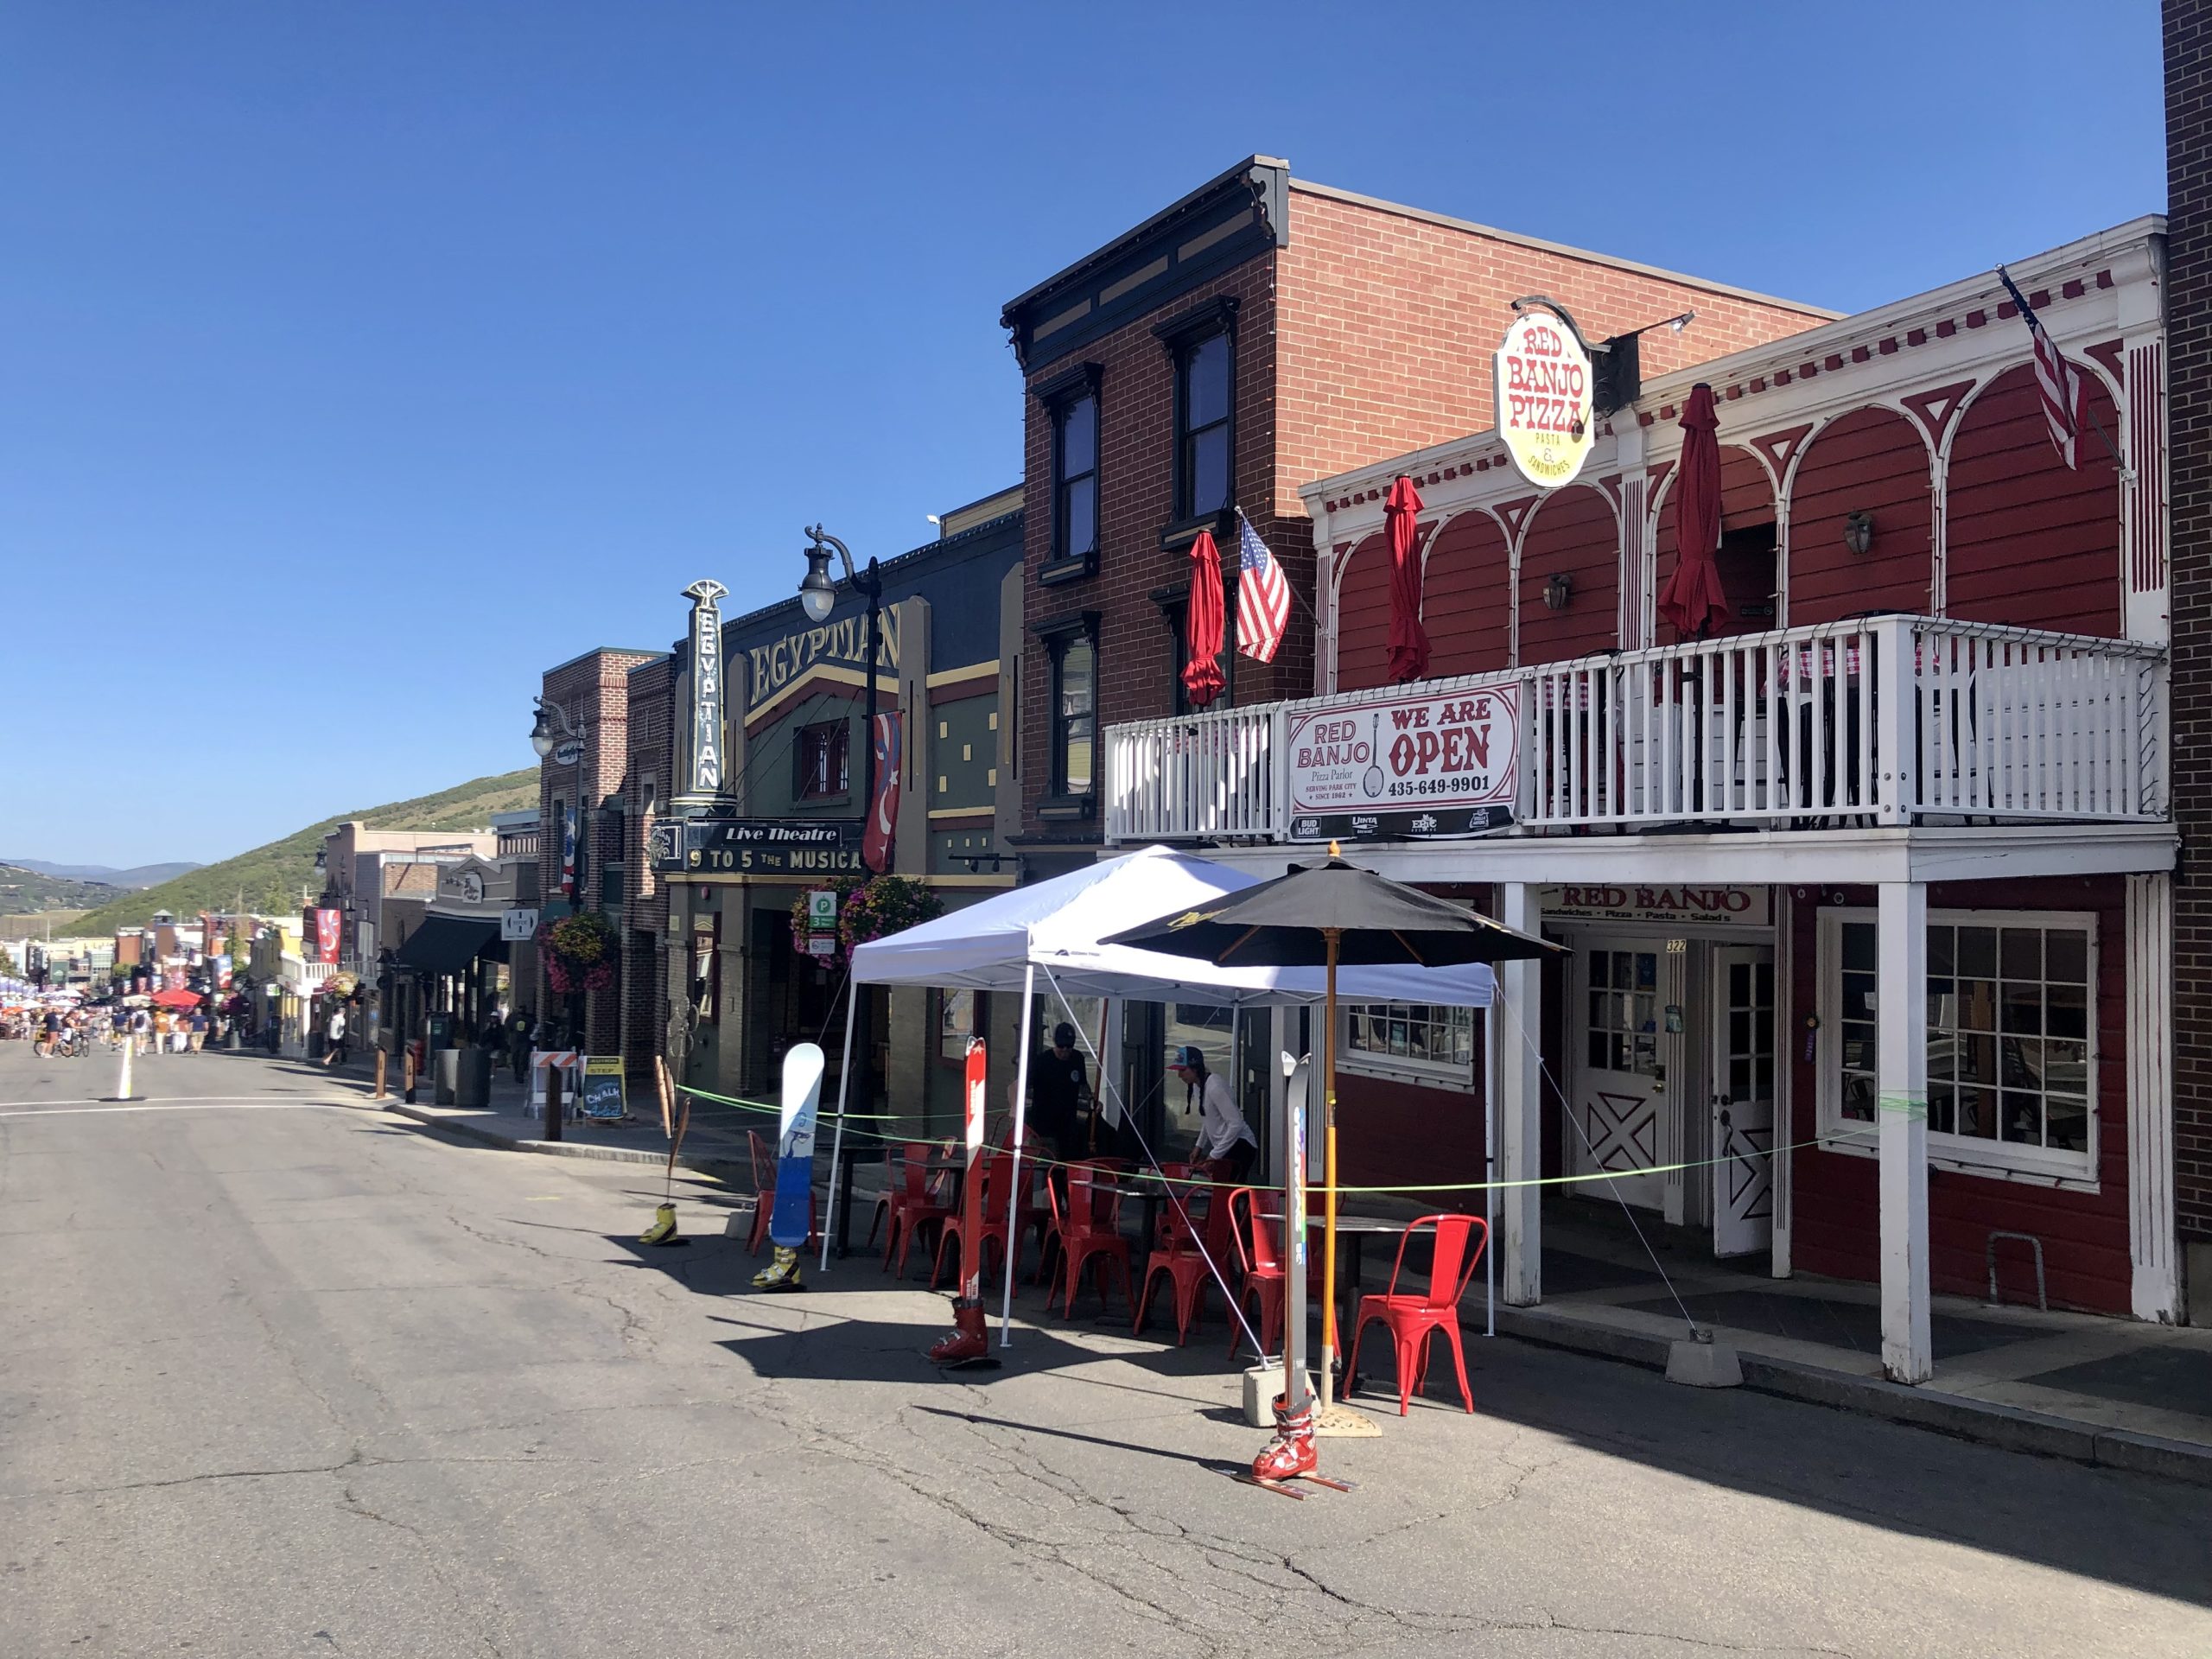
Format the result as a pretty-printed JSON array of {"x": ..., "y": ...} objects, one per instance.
[{"x": 706, "y": 687}]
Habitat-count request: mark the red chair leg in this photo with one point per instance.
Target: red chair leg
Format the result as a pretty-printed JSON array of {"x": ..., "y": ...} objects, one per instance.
[
  {"x": 949, "y": 1239},
  {"x": 1459, "y": 1365},
  {"x": 1351, "y": 1359},
  {"x": 1144, "y": 1301}
]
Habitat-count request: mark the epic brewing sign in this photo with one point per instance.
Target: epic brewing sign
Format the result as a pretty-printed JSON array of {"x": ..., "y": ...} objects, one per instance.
[
  {"x": 1543, "y": 399},
  {"x": 1434, "y": 766}
]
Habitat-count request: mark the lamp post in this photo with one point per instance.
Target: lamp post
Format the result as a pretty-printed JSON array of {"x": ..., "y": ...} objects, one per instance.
[
  {"x": 817, "y": 596},
  {"x": 545, "y": 738}
]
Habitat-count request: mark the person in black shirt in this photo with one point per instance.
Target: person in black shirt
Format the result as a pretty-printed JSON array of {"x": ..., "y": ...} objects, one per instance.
[{"x": 1059, "y": 1099}]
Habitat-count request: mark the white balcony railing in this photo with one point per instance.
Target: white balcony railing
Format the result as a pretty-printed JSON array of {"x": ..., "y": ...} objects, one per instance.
[{"x": 1892, "y": 719}]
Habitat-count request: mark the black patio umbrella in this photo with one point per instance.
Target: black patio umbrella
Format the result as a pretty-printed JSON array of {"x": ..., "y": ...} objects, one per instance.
[{"x": 1327, "y": 914}]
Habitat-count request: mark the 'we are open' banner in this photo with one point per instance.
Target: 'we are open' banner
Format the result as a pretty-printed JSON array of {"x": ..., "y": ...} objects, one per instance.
[{"x": 1420, "y": 767}]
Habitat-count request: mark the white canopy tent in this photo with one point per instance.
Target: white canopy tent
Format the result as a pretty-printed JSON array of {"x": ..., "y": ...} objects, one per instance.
[{"x": 1054, "y": 927}]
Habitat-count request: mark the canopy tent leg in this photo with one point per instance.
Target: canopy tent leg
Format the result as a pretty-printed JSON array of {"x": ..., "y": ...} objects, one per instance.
[
  {"x": 1014, "y": 1168},
  {"x": 837, "y": 1141},
  {"x": 1490, "y": 1169}
]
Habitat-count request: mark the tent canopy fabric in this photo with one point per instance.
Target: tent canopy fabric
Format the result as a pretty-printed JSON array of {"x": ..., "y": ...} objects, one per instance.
[
  {"x": 447, "y": 945},
  {"x": 1056, "y": 927}
]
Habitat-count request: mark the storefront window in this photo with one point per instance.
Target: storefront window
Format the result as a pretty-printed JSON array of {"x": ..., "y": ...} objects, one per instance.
[
  {"x": 2012, "y": 1055},
  {"x": 1622, "y": 992},
  {"x": 1386, "y": 1038},
  {"x": 955, "y": 1019}
]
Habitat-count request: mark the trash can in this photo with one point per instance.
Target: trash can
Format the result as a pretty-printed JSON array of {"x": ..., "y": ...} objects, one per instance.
[
  {"x": 445, "y": 1077},
  {"x": 472, "y": 1077}
]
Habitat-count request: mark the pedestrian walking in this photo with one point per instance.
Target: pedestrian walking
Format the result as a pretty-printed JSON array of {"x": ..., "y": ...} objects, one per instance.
[{"x": 334, "y": 1038}]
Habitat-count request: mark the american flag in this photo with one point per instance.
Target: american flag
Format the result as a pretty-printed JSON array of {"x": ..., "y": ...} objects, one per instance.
[
  {"x": 2059, "y": 381},
  {"x": 1262, "y": 595}
]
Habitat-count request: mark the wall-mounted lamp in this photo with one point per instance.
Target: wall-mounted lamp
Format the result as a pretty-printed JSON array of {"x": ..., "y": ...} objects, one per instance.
[
  {"x": 1858, "y": 531},
  {"x": 1558, "y": 590}
]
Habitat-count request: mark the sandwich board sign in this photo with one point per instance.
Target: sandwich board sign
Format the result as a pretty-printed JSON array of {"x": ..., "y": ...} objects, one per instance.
[{"x": 603, "y": 1087}]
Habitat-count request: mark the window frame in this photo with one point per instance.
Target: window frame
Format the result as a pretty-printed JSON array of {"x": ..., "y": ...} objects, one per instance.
[
  {"x": 1059, "y": 396},
  {"x": 1181, "y": 337},
  {"x": 1056, "y": 637},
  {"x": 1968, "y": 1155},
  {"x": 842, "y": 750},
  {"x": 1185, "y": 352},
  {"x": 1457, "y": 1076}
]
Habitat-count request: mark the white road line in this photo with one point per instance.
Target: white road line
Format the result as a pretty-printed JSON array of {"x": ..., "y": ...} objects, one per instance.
[{"x": 76, "y": 1110}]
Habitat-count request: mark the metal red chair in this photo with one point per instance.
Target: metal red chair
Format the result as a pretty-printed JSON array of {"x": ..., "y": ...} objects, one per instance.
[
  {"x": 1090, "y": 1232},
  {"x": 1257, "y": 1233},
  {"x": 912, "y": 1204},
  {"x": 763, "y": 1151},
  {"x": 1413, "y": 1319},
  {"x": 1201, "y": 1213},
  {"x": 991, "y": 1228}
]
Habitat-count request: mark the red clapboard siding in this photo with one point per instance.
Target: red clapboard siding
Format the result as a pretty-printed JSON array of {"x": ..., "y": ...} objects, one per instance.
[
  {"x": 1870, "y": 461},
  {"x": 1746, "y": 498},
  {"x": 2028, "y": 541},
  {"x": 1466, "y": 601},
  {"x": 1574, "y": 531},
  {"x": 1363, "y": 617},
  {"x": 1835, "y": 1208},
  {"x": 1391, "y": 1133}
]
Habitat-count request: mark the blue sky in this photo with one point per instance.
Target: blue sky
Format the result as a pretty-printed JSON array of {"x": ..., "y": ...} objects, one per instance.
[{"x": 361, "y": 360}]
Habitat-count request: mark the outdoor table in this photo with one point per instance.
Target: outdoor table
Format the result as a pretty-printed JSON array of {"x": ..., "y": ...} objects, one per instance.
[{"x": 1352, "y": 1234}]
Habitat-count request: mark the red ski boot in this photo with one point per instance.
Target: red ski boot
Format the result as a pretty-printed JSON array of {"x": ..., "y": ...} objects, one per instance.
[
  {"x": 967, "y": 1347},
  {"x": 1291, "y": 1453}
]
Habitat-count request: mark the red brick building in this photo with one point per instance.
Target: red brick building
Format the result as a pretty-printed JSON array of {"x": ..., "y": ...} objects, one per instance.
[
  {"x": 2189, "y": 303},
  {"x": 1258, "y": 333},
  {"x": 586, "y": 850}
]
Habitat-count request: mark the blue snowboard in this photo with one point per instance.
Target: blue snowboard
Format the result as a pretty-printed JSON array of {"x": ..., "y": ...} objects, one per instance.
[{"x": 792, "y": 1218}]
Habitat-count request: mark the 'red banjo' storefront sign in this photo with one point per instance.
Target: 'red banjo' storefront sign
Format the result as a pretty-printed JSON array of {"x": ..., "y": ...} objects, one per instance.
[
  {"x": 1544, "y": 390},
  {"x": 1415, "y": 766}
]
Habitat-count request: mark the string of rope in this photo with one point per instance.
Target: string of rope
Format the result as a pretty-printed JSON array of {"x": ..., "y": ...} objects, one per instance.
[{"x": 1822, "y": 1142}]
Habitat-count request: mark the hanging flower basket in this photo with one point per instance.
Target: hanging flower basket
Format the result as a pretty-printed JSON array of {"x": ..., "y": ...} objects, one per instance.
[
  {"x": 581, "y": 952},
  {"x": 869, "y": 910}
]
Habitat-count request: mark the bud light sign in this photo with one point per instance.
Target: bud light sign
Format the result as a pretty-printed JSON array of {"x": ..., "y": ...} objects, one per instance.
[{"x": 1454, "y": 759}]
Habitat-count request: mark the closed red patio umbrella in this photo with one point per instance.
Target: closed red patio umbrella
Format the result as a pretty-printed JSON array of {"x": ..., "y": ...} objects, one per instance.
[
  {"x": 1202, "y": 624},
  {"x": 1408, "y": 640},
  {"x": 1694, "y": 598}
]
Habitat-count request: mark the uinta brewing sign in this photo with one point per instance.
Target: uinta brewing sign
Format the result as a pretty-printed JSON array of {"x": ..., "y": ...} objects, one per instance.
[
  {"x": 1434, "y": 766},
  {"x": 1543, "y": 399}
]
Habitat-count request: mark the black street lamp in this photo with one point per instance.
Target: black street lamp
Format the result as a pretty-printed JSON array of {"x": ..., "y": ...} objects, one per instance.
[
  {"x": 817, "y": 596},
  {"x": 546, "y": 732}
]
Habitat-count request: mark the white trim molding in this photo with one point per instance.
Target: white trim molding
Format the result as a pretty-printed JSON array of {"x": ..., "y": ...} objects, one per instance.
[{"x": 2150, "y": 999}]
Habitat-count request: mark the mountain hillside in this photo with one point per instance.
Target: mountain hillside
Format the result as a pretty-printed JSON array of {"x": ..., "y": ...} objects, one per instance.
[
  {"x": 24, "y": 890},
  {"x": 270, "y": 878},
  {"x": 139, "y": 876}
]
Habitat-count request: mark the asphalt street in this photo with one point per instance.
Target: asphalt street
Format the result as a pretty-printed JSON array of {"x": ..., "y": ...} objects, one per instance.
[{"x": 284, "y": 1376}]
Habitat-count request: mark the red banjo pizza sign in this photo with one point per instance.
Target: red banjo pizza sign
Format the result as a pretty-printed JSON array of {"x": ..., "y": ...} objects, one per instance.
[
  {"x": 1543, "y": 399},
  {"x": 1431, "y": 766}
]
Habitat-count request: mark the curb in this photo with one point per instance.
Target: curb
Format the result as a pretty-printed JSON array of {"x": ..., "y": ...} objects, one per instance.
[
  {"x": 717, "y": 1167},
  {"x": 2009, "y": 1428}
]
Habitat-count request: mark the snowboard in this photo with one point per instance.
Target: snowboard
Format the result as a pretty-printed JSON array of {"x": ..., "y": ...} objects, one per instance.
[{"x": 793, "y": 1218}]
